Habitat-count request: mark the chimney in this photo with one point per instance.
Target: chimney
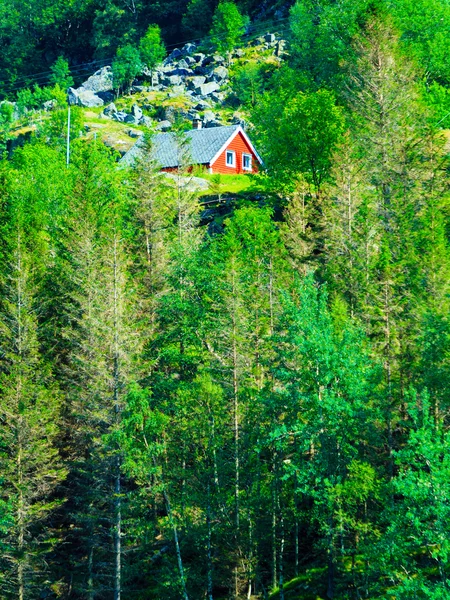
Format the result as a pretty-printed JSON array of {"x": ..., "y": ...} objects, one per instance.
[{"x": 197, "y": 123}]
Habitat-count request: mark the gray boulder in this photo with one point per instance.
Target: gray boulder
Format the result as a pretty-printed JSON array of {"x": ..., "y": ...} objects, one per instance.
[
  {"x": 131, "y": 119},
  {"x": 72, "y": 96},
  {"x": 176, "y": 54},
  {"x": 208, "y": 116},
  {"x": 280, "y": 48},
  {"x": 172, "y": 80},
  {"x": 135, "y": 133},
  {"x": 195, "y": 82},
  {"x": 219, "y": 60},
  {"x": 219, "y": 74},
  {"x": 182, "y": 64},
  {"x": 181, "y": 72},
  {"x": 49, "y": 105},
  {"x": 177, "y": 90},
  {"x": 163, "y": 126},
  {"x": 208, "y": 88},
  {"x": 201, "y": 105},
  {"x": 138, "y": 89},
  {"x": 88, "y": 98},
  {"x": 238, "y": 53},
  {"x": 119, "y": 116},
  {"x": 213, "y": 123},
  {"x": 218, "y": 98},
  {"x": 106, "y": 96},
  {"x": 170, "y": 113},
  {"x": 136, "y": 111},
  {"x": 189, "y": 48},
  {"x": 146, "y": 121},
  {"x": 189, "y": 60},
  {"x": 270, "y": 38},
  {"x": 199, "y": 58},
  {"x": 110, "y": 109},
  {"x": 100, "y": 81},
  {"x": 201, "y": 71}
]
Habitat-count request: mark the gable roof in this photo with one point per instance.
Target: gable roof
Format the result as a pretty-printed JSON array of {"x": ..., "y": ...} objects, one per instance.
[{"x": 204, "y": 146}]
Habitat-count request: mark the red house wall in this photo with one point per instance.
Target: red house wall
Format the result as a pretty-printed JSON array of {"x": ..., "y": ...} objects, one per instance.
[{"x": 239, "y": 146}]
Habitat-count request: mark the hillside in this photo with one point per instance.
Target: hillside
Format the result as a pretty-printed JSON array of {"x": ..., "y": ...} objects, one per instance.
[{"x": 225, "y": 386}]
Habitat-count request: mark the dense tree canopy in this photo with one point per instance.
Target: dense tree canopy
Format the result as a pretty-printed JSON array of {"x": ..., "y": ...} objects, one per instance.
[{"x": 231, "y": 395}]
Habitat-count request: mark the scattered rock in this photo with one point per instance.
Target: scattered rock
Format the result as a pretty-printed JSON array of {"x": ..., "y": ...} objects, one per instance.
[
  {"x": 218, "y": 98},
  {"x": 163, "y": 126},
  {"x": 138, "y": 89},
  {"x": 172, "y": 80},
  {"x": 106, "y": 96},
  {"x": 119, "y": 116},
  {"x": 201, "y": 105},
  {"x": 146, "y": 121},
  {"x": 135, "y": 133},
  {"x": 219, "y": 60},
  {"x": 110, "y": 109},
  {"x": 174, "y": 55},
  {"x": 183, "y": 64},
  {"x": 199, "y": 58},
  {"x": 201, "y": 71},
  {"x": 213, "y": 123},
  {"x": 280, "y": 48},
  {"x": 195, "y": 82},
  {"x": 219, "y": 74},
  {"x": 131, "y": 119},
  {"x": 189, "y": 60},
  {"x": 177, "y": 90},
  {"x": 208, "y": 88},
  {"x": 72, "y": 96},
  {"x": 170, "y": 114},
  {"x": 88, "y": 98},
  {"x": 238, "y": 53},
  {"x": 49, "y": 105},
  {"x": 269, "y": 37},
  {"x": 208, "y": 116},
  {"x": 189, "y": 48},
  {"x": 136, "y": 111},
  {"x": 100, "y": 81}
]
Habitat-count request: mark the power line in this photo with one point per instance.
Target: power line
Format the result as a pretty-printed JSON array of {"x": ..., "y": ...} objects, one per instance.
[{"x": 43, "y": 77}]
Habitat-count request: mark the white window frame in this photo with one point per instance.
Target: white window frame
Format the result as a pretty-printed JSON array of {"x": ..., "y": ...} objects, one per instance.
[
  {"x": 249, "y": 168},
  {"x": 233, "y": 153}
]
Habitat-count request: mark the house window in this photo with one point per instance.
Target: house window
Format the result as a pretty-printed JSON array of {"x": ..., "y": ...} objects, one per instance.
[
  {"x": 247, "y": 162},
  {"x": 231, "y": 158}
]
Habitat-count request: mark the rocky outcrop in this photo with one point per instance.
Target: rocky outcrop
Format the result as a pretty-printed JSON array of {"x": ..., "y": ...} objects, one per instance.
[
  {"x": 82, "y": 97},
  {"x": 95, "y": 91},
  {"x": 100, "y": 81}
]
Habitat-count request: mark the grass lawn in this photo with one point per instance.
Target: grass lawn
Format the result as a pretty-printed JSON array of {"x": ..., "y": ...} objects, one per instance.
[{"x": 228, "y": 184}]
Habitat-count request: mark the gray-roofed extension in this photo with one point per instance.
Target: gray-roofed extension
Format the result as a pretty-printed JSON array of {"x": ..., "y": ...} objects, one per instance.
[{"x": 204, "y": 144}]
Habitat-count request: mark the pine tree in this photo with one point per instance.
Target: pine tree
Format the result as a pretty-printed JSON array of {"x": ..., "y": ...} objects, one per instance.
[{"x": 29, "y": 414}]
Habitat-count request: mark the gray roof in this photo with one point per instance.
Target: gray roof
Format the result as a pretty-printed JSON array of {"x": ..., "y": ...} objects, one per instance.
[{"x": 203, "y": 145}]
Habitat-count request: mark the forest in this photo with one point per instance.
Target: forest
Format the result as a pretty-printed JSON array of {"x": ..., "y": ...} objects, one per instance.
[{"x": 233, "y": 396}]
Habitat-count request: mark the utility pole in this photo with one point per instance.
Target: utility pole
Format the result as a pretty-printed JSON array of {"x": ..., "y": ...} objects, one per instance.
[{"x": 68, "y": 134}]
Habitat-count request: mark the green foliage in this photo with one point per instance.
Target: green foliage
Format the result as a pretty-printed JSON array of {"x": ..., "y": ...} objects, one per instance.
[
  {"x": 152, "y": 47},
  {"x": 61, "y": 74},
  {"x": 424, "y": 26},
  {"x": 416, "y": 543},
  {"x": 126, "y": 65},
  {"x": 197, "y": 19},
  {"x": 298, "y": 135},
  {"x": 227, "y": 26},
  {"x": 248, "y": 83},
  {"x": 321, "y": 34}
]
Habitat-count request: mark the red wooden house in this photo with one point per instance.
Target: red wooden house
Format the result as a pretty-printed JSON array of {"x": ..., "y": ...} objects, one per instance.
[{"x": 226, "y": 150}]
